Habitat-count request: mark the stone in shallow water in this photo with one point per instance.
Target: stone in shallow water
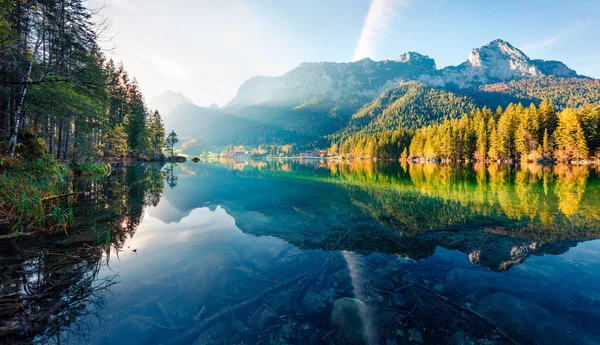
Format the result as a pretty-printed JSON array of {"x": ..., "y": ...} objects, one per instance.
[
  {"x": 398, "y": 299},
  {"x": 409, "y": 279},
  {"x": 415, "y": 335},
  {"x": 213, "y": 335},
  {"x": 135, "y": 330},
  {"x": 384, "y": 284},
  {"x": 524, "y": 321},
  {"x": 314, "y": 304},
  {"x": 264, "y": 318},
  {"x": 347, "y": 316},
  {"x": 459, "y": 338}
]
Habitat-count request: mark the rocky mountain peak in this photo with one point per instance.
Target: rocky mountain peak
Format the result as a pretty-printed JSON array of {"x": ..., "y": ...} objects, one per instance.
[
  {"x": 497, "y": 61},
  {"x": 416, "y": 58},
  {"x": 495, "y": 51}
]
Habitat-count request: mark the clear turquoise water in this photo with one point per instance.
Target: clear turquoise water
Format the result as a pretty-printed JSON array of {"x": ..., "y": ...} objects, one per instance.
[{"x": 315, "y": 252}]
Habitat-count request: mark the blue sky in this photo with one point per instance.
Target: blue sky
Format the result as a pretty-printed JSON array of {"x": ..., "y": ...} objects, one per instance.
[{"x": 206, "y": 49}]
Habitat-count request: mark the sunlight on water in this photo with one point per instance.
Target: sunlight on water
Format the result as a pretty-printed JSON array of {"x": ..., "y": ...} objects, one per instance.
[{"x": 356, "y": 275}]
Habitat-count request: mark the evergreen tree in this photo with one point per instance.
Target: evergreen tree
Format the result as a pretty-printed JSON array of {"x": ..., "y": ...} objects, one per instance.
[
  {"x": 547, "y": 145},
  {"x": 171, "y": 141},
  {"x": 569, "y": 137},
  {"x": 493, "y": 140}
]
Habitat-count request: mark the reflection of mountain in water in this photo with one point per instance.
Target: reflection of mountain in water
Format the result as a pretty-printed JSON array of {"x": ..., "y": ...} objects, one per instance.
[
  {"x": 48, "y": 282},
  {"x": 498, "y": 216}
]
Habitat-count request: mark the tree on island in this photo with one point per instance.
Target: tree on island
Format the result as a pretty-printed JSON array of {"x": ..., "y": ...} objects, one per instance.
[{"x": 171, "y": 141}]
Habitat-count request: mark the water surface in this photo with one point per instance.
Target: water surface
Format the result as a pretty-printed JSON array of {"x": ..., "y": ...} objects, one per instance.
[{"x": 315, "y": 252}]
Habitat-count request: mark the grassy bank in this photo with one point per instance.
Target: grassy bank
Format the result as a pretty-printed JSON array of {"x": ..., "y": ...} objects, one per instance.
[{"x": 38, "y": 195}]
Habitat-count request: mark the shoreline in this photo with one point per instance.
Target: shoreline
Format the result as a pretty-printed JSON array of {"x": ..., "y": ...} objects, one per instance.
[{"x": 421, "y": 161}]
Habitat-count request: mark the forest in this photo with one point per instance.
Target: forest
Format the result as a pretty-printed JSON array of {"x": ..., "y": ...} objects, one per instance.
[
  {"x": 60, "y": 95},
  {"x": 65, "y": 110},
  {"x": 532, "y": 134}
]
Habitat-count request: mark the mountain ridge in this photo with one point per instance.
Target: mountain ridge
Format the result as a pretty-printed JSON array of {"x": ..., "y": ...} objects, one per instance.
[
  {"x": 316, "y": 100},
  {"x": 167, "y": 101},
  {"x": 497, "y": 61}
]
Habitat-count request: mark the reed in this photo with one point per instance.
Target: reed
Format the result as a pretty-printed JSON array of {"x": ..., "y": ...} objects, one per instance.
[{"x": 38, "y": 195}]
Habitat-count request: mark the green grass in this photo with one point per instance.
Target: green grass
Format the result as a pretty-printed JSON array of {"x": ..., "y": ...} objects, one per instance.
[
  {"x": 90, "y": 169},
  {"x": 37, "y": 195}
]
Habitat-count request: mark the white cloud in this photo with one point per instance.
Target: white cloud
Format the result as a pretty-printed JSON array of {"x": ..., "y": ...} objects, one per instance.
[
  {"x": 558, "y": 36},
  {"x": 381, "y": 14},
  {"x": 170, "y": 68}
]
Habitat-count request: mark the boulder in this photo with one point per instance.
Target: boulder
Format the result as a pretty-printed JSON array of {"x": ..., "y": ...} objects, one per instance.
[
  {"x": 346, "y": 317},
  {"x": 314, "y": 304},
  {"x": 415, "y": 335},
  {"x": 264, "y": 318}
]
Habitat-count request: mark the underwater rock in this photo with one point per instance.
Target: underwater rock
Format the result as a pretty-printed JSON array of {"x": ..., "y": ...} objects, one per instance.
[
  {"x": 135, "y": 330},
  {"x": 439, "y": 288},
  {"x": 347, "y": 316},
  {"x": 213, "y": 335},
  {"x": 459, "y": 338},
  {"x": 524, "y": 320},
  {"x": 314, "y": 304},
  {"x": 415, "y": 335},
  {"x": 264, "y": 318},
  {"x": 409, "y": 279},
  {"x": 384, "y": 284},
  {"x": 392, "y": 266},
  {"x": 398, "y": 299}
]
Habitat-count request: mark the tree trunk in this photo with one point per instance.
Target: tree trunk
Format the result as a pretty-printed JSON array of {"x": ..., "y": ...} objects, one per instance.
[
  {"x": 67, "y": 137},
  {"x": 59, "y": 153},
  {"x": 51, "y": 143},
  {"x": 12, "y": 144}
]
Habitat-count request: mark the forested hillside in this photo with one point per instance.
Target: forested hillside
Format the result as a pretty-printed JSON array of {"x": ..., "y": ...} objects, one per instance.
[
  {"x": 409, "y": 106},
  {"x": 59, "y": 93},
  {"x": 532, "y": 134},
  {"x": 562, "y": 92}
]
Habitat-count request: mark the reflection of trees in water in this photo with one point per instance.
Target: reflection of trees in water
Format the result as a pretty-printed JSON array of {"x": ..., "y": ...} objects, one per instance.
[
  {"x": 550, "y": 202},
  {"x": 49, "y": 283},
  {"x": 170, "y": 176}
]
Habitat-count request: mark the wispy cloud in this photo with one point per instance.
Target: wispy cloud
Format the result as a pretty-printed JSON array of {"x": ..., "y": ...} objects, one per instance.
[
  {"x": 381, "y": 14},
  {"x": 435, "y": 13},
  {"x": 168, "y": 67},
  {"x": 558, "y": 36}
]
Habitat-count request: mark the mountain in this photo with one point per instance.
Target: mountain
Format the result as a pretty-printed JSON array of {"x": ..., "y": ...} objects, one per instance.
[
  {"x": 497, "y": 61},
  {"x": 318, "y": 99},
  {"x": 189, "y": 120},
  {"x": 411, "y": 105},
  {"x": 337, "y": 81},
  {"x": 214, "y": 126},
  {"x": 168, "y": 101}
]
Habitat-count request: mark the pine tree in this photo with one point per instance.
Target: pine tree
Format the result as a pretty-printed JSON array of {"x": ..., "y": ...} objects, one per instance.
[
  {"x": 547, "y": 146},
  {"x": 569, "y": 137},
  {"x": 493, "y": 143},
  {"x": 171, "y": 141},
  {"x": 505, "y": 133},
  {"x": 481, "y": 146}
]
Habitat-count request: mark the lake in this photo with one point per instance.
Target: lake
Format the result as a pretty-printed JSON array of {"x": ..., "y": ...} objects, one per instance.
[{"x": 314, "y": 252}]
